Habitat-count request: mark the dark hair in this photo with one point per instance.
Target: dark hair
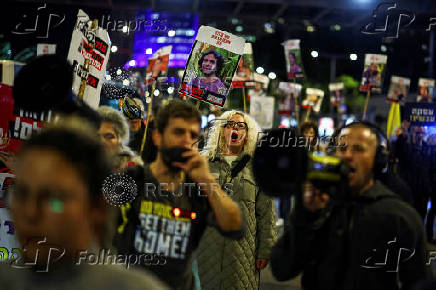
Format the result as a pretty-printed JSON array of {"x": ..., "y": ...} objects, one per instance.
[
  {"x": 84, "y": 151},
  {"x": 307, "y": 125},
  {"x": 43, "y": 83},
  {"x": 176, "y": 109},
  {"x": 219, "y": 60}
]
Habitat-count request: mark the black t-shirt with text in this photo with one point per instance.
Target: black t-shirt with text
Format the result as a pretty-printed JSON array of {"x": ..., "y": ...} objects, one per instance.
[{"x": 168, "y": 224}]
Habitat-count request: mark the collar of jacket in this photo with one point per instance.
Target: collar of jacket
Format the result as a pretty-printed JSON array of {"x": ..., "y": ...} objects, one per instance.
[
  {"x": 376, "y": 192},
  {"x": 247, "y": 175},
  {"x": 220, "y": 157}
]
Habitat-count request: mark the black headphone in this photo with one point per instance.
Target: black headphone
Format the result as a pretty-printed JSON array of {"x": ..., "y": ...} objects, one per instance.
[{"x": 382, "y": 152}]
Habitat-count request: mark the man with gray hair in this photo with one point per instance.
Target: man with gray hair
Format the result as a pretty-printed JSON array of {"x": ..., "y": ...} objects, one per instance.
[{"x": 114, "y": 133}]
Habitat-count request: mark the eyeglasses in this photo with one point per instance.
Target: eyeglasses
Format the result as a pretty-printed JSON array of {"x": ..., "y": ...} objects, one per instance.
[
  {"x": 108, "y": 136},
  {"x": 236, "y": 125}
]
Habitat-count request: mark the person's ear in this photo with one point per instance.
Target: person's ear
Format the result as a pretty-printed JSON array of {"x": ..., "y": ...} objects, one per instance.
[
  {"x": 99, "y": 216},
  {"x": 157, "y": 138}
]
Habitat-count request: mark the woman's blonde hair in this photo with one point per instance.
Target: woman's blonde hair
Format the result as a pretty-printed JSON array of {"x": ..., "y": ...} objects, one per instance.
[{"x": 215, "y": 143}]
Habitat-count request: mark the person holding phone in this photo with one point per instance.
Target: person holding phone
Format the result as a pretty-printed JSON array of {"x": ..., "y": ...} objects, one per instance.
[{"x": 177, "y": 198}]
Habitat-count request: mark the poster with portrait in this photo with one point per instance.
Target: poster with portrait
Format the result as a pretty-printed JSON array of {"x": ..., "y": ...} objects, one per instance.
[
  {"x": 9, "y": 145},
  {"x": 244, "y": 76},
  {"x": 335, "y": 90},
  {"x": 262, "y": 110},
  {"x": 373, "y": 73},
  {"x": 313, "y": 100},
  {"x": 211, "y": 66},
  {"x": 261, "y": 83},
  {"x": 158, "y": 64},
  {"x": 398, "y": 89},
  {"x": 94, "y": 47},
  {"x": 294, "y": 63},
  {"x": 43, "y": 48},
  {"x": 289, "y": 92},
  {"x": 425, "y": 90}
]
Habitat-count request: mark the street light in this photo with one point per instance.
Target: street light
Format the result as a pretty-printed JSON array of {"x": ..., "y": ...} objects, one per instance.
[
  {"x": 314, "y": 53},
  {"x": 272, "y": 75},
  {"x": 260, "y": 70},
  {"x": 353, "y": 56}
]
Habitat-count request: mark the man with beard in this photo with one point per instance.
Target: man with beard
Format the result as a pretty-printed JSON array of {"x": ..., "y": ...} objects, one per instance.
[
  {"x": 178, "y": 198},
  {"x": 363, "y": 238},
  {"x": 210, "y": 64}
]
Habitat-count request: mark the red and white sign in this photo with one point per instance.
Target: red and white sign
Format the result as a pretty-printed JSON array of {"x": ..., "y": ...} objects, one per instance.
[{"x": 93, "y": 46}]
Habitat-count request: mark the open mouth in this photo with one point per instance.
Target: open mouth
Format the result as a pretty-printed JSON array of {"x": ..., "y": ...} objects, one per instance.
[{"x": 234, "y": 137}]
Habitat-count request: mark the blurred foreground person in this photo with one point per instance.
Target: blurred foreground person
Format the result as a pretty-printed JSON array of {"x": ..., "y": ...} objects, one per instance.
[
  {"x": 368, "y": 239},
  {"x": 223, "y": 263},
  {"x": 177, "y": 198},
  {"x": 57, "y": 208},
  {"x": 114, "y": 133}
]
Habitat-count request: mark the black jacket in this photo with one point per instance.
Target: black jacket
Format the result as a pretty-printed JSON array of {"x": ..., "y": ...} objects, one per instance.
[
  {"x": 414, "y": 166},
  {"x": 338, "y": 247}
]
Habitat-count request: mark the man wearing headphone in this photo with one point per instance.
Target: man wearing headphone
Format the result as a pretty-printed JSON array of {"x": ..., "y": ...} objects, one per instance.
[
  {"x": 210, "y": 64},
  {"x": 369, "y": 240}
]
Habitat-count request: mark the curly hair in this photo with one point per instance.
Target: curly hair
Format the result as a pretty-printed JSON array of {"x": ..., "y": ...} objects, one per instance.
[
  {"x": 219, "y": 60},
  {"x": 176, "y": 109},
  {"x": 118, "y": 121},
  {"x": 307, "y": 125},
  {"x": 215, "y": 141}
]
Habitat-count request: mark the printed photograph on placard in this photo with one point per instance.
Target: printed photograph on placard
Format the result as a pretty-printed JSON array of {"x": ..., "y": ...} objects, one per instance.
[
  {"x": 398, "y": 89},
  {"x": 211, "y": 66},
  {"x": 261, "y": 83},
  {"x": 288, "y": 94},
  {"x": 262, "y": 110},
  {"x": 244, "y": 76},
  {"x": 313, "y": 100},
  {"x": 158, "y": 64},
  {"x": 294, "y": 63},
  {"x": 373, "y": 73},
  {"x": 336, "y": 93},
  {"x": 425, "y": 90}
]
